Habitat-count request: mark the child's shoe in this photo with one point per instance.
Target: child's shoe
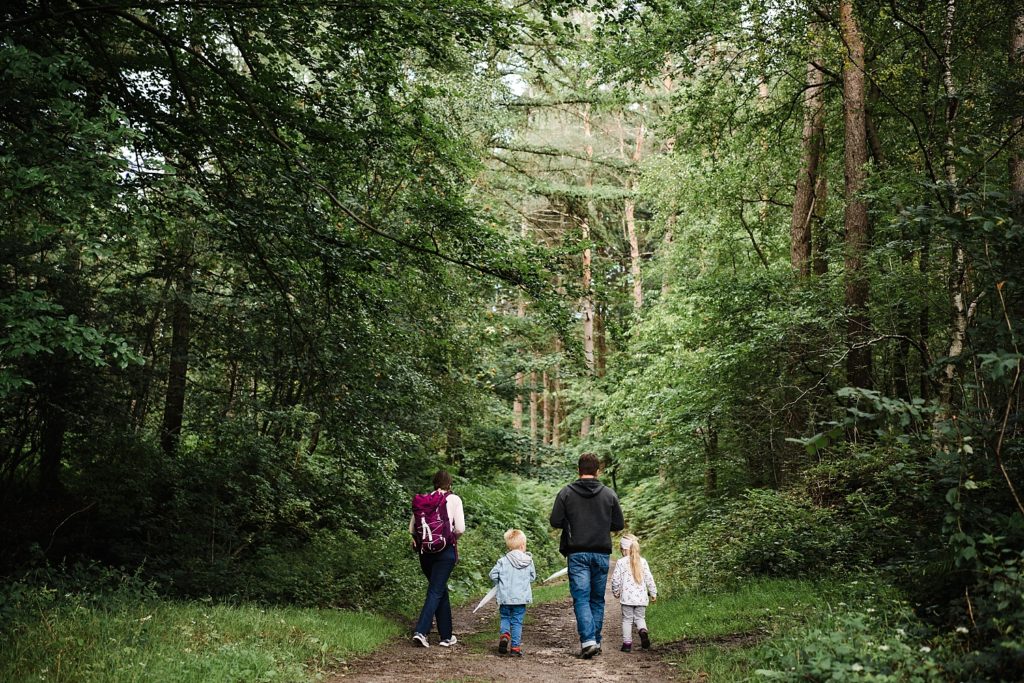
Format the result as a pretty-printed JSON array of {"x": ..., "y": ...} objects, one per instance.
[
  {"x": 627, "y": 647},
  {"x": 503, "y": 643},
  {"x": 645, "y": 640},
  {"x": 516, "y": 651}
]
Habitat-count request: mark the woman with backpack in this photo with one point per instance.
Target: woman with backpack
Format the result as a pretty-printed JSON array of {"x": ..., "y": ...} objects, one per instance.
[{"x": 436, "y": 524}]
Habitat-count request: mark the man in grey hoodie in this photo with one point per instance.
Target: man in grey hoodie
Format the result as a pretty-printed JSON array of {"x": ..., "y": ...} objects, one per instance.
[{"x": 587, "y": 512}]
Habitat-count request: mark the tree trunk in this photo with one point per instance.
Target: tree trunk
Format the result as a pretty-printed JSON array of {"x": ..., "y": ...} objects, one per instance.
[
  {"x": 533, "y": 415},
  {"x": 556, "y": 410},
  {"x": 819, "y": 242},
  {"x": 546, "y": 404},
  {"x": 805, "y": 199},
  {"x": 517, "y": 403},
  {"x": 855, "y": 216},
  {"x": 634, "y": 254},
  {"x": 587, "y": 305},
  {"x": 54, "y": 423},
  {"x": 181, "y": 330},
  {"x": 957, "y": 280},
  {"x": 588, "y": 318},
  {"x": 1017, "y": 149}
]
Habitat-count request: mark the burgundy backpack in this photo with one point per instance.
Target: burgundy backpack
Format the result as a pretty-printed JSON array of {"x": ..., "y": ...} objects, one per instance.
[{"x": 431, "y": 529}]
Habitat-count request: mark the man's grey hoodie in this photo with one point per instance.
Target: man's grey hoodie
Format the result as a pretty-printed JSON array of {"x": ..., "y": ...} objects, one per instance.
[
  {"x": 587, "y": 512},
  {"x": 512, "y": 574}
]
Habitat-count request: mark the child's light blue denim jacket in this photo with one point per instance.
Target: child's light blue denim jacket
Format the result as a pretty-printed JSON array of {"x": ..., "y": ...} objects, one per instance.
[{"x": 512, "y": 574}]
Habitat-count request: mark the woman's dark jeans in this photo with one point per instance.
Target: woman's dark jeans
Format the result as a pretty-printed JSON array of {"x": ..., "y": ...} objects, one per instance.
[{"x": 437, "y": 567}]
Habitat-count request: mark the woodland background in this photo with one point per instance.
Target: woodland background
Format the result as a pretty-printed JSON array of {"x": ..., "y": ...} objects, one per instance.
[{"x": 266, "y": 265}]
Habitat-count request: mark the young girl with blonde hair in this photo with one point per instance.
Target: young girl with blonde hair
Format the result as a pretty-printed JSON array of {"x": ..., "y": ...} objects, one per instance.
[{"x": 632, "y": 583}]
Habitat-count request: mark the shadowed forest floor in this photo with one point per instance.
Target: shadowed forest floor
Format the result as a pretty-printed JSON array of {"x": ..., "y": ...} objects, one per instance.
[{"x": 550, "y": 652}]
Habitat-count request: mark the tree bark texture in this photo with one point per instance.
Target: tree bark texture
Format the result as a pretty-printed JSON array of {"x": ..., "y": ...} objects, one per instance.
[
  {"x": 587, "y": 310},
  {"x": 805, "y": 200},
  {"x": 634, "y": 254},
  {"x": 177, "y": 371},
  {"x": 1017, "y": 150},
  {"x": 957, "y": 280},
  {"x": 517, "y": 402},
  {"x": 855, "y": 216},
  {"x": 546, "y": 403},
  {"x": 533, "y": 415}
]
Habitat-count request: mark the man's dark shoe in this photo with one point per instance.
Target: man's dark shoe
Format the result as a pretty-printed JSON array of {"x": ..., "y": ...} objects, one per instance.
[
  {"x": 627, "y": 647},
  {"x": 589, "y": 651},
  {"x": 598, "y": 651},
  {"x": 503, "y": 643},
  {"x": 645, "y": 640}
]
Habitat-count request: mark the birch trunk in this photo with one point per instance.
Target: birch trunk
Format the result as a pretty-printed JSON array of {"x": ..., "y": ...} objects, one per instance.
[{"x": 957, "y": 281}]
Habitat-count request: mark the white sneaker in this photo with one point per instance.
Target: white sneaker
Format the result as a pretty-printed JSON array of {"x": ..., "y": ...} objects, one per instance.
[
  {"x": 420, "y": 640},
  {"x": 448, "y": 643}
]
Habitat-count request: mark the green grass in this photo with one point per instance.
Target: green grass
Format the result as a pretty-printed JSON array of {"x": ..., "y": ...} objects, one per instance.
[
  {"x": 745, "y": 609},
  {"x": 184, "y": 642},
  {"x": 550, "y": 593},
  {"x": 726, "y": 634}
]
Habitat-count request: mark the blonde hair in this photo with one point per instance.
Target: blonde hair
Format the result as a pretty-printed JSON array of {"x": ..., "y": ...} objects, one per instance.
[
  {"x": 515, "y": 539},
  {"x": 633, "y": 553}
]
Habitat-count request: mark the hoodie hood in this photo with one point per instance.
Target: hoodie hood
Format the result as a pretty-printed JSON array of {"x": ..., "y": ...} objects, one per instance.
[
  {"x": 519, "y": 559},
  {"x": 588, "y": 488}
]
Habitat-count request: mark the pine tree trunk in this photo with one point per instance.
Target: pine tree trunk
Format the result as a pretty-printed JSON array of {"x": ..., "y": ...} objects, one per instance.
[{"x": 855, "y": 216}]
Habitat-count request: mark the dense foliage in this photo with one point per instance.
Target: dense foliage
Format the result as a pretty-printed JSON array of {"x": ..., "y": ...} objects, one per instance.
[{"x": 267, "y": 265}]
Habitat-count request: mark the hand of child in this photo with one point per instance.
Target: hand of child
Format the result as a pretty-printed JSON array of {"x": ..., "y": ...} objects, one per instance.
[{"x": 654, "y": 598}]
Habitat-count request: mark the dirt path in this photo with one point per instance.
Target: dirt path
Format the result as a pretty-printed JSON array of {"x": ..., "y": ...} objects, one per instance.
[{"x": 550, "y": 652}]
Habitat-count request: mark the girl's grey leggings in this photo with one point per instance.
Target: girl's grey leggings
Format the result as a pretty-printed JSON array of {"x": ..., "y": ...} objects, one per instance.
[{"x": 632, "y": 614}]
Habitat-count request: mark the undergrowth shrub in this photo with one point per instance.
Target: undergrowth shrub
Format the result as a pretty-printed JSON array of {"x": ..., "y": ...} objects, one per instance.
[
  {"x": 761, "y": 533},
  {"x": 880, "y": 646}
]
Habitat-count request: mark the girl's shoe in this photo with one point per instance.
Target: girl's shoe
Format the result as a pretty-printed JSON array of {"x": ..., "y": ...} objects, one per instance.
[
  {"x": 420, "y": 639},
  {"x": 503, "y": 643},
  {"x": 448, "y": 642},
  {"x": 645, "y": 640},
  {"x": 627, "y": 647},
  {"x": 516, "y": 651}
]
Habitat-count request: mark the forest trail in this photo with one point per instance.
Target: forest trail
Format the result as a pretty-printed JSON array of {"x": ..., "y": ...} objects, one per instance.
[{"x": 550, "y": 652}]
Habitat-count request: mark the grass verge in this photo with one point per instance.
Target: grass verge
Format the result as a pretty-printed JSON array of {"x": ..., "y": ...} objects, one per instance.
[
  {"x": 184, "y": 642},
  {"x": 724, "y": 636}
]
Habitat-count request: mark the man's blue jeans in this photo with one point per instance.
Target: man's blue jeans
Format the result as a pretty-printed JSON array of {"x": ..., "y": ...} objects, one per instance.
[
  {"x": 437, "y": 567},
  {"x": 512, "y": 622},
  {"x": 588, "y": 574}
]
